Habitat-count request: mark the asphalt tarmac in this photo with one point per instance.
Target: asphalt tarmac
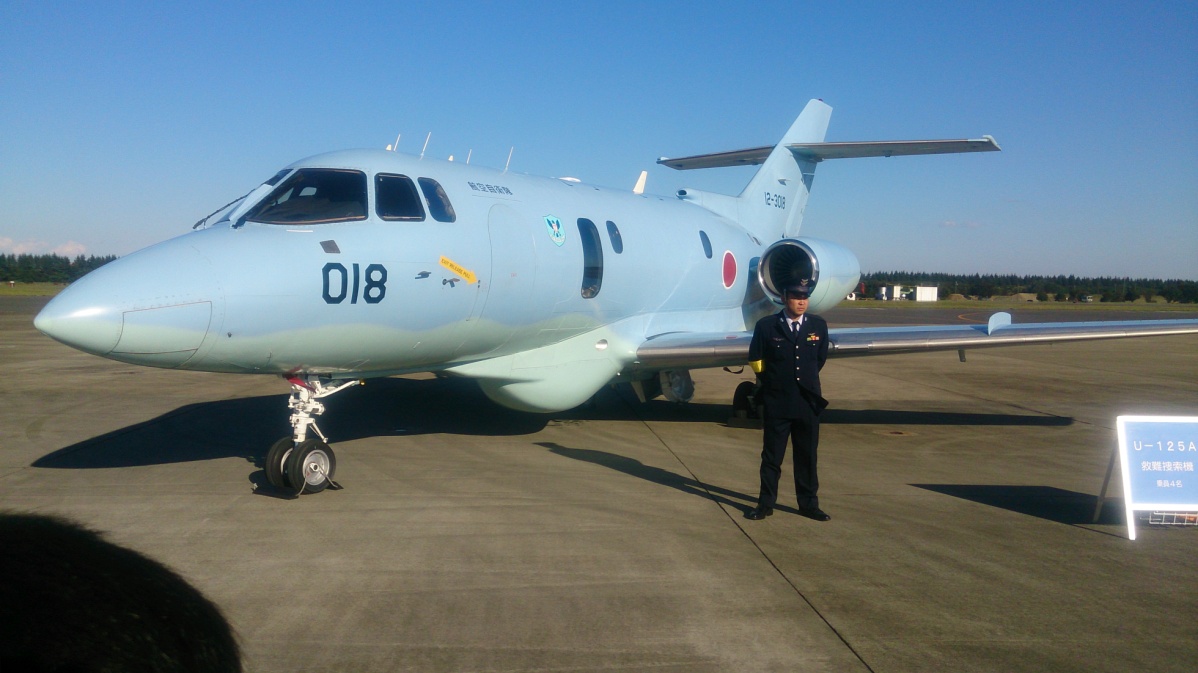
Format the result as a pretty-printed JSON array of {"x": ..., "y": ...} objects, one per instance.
[{"x": 612, "y": 537}]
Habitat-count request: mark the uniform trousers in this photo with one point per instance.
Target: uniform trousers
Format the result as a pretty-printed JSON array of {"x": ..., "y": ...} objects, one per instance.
[{"x": 803, "y": 432}]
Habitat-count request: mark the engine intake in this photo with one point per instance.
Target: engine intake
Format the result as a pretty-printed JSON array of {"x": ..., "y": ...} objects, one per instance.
[{"x": 833, "y": 270}]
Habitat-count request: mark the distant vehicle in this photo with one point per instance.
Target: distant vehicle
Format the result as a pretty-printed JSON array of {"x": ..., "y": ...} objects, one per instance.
[{"x": 369, "y": 263}]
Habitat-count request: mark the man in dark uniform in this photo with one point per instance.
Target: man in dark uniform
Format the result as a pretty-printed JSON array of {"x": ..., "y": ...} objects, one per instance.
[{"x": 787, "y": 352}]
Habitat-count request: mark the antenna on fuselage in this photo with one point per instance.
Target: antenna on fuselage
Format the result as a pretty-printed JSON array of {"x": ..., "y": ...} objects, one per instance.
[
  {"x": 422, "y": 149},
  {"x": 509, "y": 158},
  {"x": 640, "y": 183},
  {"x": 392, "y": 148},
  {"x": 468, "y": 156}
]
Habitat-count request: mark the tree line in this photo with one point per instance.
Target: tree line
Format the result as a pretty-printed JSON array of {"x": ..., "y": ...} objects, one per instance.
[
  {"x": 48, "y": 268},
  {"x": 1046, "y": 288}
]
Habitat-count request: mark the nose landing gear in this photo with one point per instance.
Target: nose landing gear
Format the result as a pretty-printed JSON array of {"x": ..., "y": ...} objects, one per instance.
[{"x": 300, "y": 464}]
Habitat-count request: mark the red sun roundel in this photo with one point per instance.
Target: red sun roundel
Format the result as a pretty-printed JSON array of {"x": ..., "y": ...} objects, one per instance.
[{"x": 729, "y": 269}]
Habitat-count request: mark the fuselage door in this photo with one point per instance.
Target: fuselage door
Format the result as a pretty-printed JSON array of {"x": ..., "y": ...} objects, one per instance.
[{"x": 510, "y": 307}]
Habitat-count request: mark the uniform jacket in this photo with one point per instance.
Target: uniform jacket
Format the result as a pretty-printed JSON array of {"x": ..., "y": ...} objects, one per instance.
[{"x": 790, "y": 363}]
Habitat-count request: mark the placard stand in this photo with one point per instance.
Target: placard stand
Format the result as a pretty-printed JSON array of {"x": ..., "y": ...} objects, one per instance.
[
  {"x": 1106, "y": 482},
  {"x": 1158, "y": 456}
]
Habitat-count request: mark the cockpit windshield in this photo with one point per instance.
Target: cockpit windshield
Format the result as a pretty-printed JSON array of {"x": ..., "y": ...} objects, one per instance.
[{"x": 314, "y": 196}]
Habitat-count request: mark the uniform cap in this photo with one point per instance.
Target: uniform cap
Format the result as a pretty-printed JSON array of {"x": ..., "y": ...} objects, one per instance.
[{"x": 801, "y": 288}]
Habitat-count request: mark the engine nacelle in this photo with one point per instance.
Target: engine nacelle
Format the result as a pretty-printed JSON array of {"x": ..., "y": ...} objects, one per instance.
[{"x": 833, "y": 270}]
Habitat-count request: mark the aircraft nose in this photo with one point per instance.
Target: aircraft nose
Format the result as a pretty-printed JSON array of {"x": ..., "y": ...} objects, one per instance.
[
  {"x": 80, "y": 321},
  {"x": 153, "y": 307}
]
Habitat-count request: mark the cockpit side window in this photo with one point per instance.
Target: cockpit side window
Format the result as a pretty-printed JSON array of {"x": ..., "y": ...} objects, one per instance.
[
  {"x": 395, "y": 198},
  {"x": 314, "y": 196},
  {"x": 277, "y": 176},
  {"x": 438, "y": 201}
]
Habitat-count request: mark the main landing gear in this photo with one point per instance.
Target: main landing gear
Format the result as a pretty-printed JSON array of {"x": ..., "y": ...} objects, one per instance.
[
  {"x": 300, "y": 464},
  {"x": 747, "y": 410},
  {"x": 745, "y": 401}
]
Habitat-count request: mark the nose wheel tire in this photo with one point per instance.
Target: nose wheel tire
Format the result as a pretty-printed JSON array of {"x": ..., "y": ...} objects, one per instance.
[
  {"x": 310, "y": 467},
  {"x": 276, "y": 463}
]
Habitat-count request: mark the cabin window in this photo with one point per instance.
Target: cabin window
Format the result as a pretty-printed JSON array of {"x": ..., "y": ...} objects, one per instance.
[
  {"x": 592, "y": 258},
  {"x": 617, "y": 242},
  {"x": 706, "y": 243},
  {"x": 438, "y": 201},
  {"x": 314, "y": 196},
  {"x": 395, "y": 198}
]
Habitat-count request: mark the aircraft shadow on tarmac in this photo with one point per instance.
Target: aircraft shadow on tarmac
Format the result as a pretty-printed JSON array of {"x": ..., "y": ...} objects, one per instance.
[
  {"x": 656, "y": 475},
  {"x": 246, "y": 427},
  {"x": 900, "y": 417},
  {"x": 1044, "y": 502}
]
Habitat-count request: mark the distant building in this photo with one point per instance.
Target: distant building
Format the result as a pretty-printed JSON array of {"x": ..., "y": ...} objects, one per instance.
[
  {"x": 910, "y": 293},
  {"x": 927, "y": 293}
]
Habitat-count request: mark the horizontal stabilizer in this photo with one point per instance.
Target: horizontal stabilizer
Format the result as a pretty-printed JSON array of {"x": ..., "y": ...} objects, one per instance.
[
  {"x": 722, "y": 349},
  {"x": 750, "y": 157},
  {"x": 891, "y": 148},
  {"x": 821, "y": 151}
]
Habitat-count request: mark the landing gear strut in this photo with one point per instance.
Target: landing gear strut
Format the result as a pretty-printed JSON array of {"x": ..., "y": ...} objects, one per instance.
[{"x": 300, "y": 464}]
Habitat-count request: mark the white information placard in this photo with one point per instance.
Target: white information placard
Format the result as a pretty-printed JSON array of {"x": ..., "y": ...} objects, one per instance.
[{"x": 1158, "y": 455}]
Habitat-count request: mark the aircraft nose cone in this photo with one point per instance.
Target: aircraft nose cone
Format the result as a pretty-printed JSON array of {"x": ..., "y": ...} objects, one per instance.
[
  {"x": 79, "y": 320},
  {"x": 153, "y": 307}
]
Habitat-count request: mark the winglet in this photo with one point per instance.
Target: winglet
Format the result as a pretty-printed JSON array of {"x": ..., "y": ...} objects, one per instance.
[{"x": 998, "y": 321}]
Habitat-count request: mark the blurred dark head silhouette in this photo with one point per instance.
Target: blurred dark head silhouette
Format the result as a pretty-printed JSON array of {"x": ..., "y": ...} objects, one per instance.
[{"x": 71, "y": 602}]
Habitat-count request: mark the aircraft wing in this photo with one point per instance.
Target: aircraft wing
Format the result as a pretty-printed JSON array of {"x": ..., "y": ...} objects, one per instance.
[
  {"x": 820, "y": 151},
  {"x": 721, "y": 349}
]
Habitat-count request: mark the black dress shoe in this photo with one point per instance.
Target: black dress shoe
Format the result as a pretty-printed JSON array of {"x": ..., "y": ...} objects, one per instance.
[
  {"x": 814, "y": 513},
  {"x": 758, "y": 513}
]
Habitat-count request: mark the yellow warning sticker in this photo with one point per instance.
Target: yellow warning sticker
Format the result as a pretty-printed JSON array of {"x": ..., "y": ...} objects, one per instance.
[{"x": 453, "y": 266}]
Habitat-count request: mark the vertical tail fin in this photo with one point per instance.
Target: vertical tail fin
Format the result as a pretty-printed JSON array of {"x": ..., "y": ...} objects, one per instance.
[{"x": 772, "y": 204}]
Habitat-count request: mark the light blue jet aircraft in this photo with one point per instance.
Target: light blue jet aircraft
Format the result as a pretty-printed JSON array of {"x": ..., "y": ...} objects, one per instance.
[{"x": 366, "y": 263}]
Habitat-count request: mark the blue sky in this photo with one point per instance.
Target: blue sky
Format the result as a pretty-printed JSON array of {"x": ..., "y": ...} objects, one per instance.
[{"x": 124, "y": 123}]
